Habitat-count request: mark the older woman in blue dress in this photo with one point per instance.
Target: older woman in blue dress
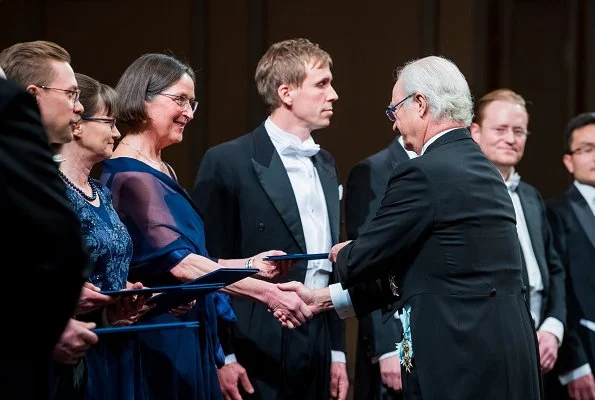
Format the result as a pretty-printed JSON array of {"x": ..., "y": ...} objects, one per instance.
[
  {"x": 157, "y": 101},
  {"x": 110, "y": 364}
]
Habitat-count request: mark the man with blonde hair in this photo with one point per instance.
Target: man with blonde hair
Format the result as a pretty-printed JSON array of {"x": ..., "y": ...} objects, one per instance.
[
  {"x": 275, "y": 188},
  {"x": 501, "y": 131}
]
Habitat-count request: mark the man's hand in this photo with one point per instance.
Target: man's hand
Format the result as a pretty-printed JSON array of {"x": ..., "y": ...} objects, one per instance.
[
  {"x": 318, "y": 300},
  {"x": 229, "y": 376},
  {"x": 90, "y": 299},
  {"x": 582, "y": 388},
  {"x": 390, "y": 372},
  {"x": 339, "y": 381},
  {"x": 287, "y": 307},
  {"x": 332, "y": 255},
  {"x": 548, "y": 350},
  {"x": 271, "y": 269},
  {"x": 76, "y": 338}
]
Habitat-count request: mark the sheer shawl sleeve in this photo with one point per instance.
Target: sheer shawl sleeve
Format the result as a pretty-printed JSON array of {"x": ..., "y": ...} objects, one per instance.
[{"x": 162, "y": 222}]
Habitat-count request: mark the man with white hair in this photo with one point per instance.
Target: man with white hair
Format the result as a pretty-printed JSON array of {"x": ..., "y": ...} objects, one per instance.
[{"x": 443, "y": 246}]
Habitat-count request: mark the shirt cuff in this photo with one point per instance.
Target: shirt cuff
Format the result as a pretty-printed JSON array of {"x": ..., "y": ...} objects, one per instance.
[
  {"x": 575, "y": 374},
  {"x": 230, "y": 359},
  {"x": 555, "y": 327},
  {"x": 338, "y": 356},
  {"x": 384, "y": 356},
  {"x": 341, "y": 301}
]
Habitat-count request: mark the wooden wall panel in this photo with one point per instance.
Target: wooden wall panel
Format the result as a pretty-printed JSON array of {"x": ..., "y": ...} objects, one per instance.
[{"x": 540, "y": 73}]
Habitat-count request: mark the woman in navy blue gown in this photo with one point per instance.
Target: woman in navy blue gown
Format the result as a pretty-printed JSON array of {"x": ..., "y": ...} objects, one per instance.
[
  {"x": 156, "y": 102},
  {"x": 109, "y": 366}
]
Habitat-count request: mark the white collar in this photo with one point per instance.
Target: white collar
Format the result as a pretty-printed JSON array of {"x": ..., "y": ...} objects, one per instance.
[
  {"x": 411, "y": 154},
  {"x": 587, "y": 191},
  {"x": 432, "y": 140},
  {"x": 282, "y": 139}
]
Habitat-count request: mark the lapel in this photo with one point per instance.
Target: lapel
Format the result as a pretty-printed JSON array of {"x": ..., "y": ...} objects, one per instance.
[
  {"x": 531, "y": 211},
  {"x": 328, "y": 180},
  {"x": 273, "y": 179},
  {"x": 396, "y": 154},
  {"x": 583, "y": 213}
]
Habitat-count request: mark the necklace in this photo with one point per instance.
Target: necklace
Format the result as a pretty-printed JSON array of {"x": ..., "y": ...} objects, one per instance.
[
  {"x": 71, "y": 185},
  {"x": 140, "y": 153}
]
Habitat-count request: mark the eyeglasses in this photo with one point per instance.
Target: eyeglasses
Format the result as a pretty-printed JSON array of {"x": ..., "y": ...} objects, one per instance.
[
  {"x": 182, "y": 101},
  {"x": 110, "y": 121},
  {"x": 73, "y": 94},
  {"x": 391, "y": 111},
  {"x": 518, "y": 133},
  {"x": 586, "y": 148}
]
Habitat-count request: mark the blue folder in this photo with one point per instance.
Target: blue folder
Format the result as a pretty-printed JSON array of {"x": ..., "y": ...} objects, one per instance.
[
  {"x": 159, "y": 289},
  {"x": 144, "y": 327},
  {"x": 298, "y": 256}
]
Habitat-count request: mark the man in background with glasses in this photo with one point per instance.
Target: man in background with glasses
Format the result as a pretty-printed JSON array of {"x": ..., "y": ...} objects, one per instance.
[
  {"x": 500, "y": 129},
  {"x": 572, "y": 218},
  {"x": 44, "y": 257},
  {"x": 43, "y": 68}
]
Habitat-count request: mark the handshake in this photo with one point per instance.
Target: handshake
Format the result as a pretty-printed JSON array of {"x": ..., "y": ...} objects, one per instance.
[{"x": 292, "y": 303}]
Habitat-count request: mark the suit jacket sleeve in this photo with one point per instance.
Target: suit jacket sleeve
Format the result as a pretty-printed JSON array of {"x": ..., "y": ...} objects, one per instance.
[
  {"x": 402, "y": 223},
  {"x": 572, "y": 353},
  {"x": 377, "y": 337},
  {"x": 44, "y": 233}
]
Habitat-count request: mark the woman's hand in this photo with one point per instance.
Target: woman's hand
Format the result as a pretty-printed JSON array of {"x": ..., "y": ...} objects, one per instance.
[
  {"x": 182, "y": 309},
  {"x": 270, "y": 269},
  {"x": 128, "y": 309}
]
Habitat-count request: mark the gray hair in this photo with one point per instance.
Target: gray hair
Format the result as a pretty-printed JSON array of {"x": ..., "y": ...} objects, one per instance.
[
  {"x": 443, "y": 84},
  {"x": 2, "y": 75}
]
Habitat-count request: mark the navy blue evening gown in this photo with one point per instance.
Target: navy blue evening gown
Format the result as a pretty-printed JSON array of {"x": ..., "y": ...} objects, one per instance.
[{"x": 165, "y": 227}]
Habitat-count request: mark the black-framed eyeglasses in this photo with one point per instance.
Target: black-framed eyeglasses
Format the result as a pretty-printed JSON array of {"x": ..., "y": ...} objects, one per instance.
[
  {"x": 107, "y": 120},
  {"x": 73, "y": 94},
  {"x": 587, "y": 148},
  {"x": 182, "y": 101},
  {"x": 391, "y": 111}
]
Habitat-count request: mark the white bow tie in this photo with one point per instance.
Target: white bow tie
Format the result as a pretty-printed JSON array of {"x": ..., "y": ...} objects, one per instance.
[
  {"x": 306, "y": 149},
  {"x": 513, "y": 182}
]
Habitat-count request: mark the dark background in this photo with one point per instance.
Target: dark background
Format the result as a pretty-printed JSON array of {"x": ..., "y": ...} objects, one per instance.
[{"x": 543, "y": 49}]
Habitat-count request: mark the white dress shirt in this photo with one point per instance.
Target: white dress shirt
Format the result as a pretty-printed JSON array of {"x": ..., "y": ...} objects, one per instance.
[
  {"x": 551, "y": 325},
  {"x": 311, "y": 202}
]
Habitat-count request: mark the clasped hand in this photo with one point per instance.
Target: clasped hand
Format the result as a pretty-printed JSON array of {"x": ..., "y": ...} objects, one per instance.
[
  {"x": 271, "y": 269},
  {"x": 307, "y": 304}
]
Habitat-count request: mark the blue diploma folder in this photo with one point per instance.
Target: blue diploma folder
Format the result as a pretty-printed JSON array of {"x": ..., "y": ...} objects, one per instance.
[
  {"x": 158, "y": 289},
  {"x": 216, "y": 279},
  {"x": 144, "y": 327},
  {"x": 296, "y": 256}
]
